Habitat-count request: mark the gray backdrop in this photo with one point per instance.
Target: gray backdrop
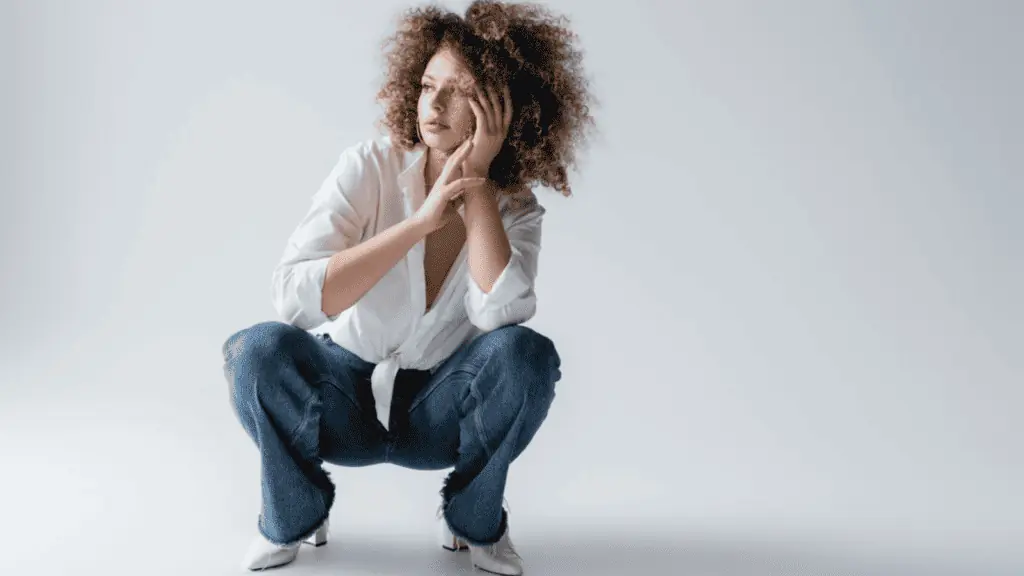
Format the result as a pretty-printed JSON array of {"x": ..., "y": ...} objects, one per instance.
[{"x": 786, "y": 292}]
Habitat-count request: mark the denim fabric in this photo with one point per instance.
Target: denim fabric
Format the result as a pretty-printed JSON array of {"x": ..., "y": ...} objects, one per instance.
[{"x": 305, "y": 400}]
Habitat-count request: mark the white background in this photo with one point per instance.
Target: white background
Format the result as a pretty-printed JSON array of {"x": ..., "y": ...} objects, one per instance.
[{"x": 786, "y": 292}]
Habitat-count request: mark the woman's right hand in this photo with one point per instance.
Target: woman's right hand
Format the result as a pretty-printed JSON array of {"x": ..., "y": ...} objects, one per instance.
[{"x": 442, "y": 201}]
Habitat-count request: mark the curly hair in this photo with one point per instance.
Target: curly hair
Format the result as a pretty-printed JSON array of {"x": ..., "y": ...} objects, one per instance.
[{"x": 523, "y": 46}]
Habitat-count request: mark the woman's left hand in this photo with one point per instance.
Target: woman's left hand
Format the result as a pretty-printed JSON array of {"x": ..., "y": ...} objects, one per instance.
[{"x": 493, "y": 117}]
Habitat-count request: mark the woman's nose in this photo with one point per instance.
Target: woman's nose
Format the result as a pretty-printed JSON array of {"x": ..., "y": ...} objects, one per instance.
[{"x": 441, "y": 99}]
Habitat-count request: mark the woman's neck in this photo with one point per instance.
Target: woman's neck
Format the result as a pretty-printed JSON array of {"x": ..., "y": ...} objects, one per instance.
[{"x": 435, "y": 163}]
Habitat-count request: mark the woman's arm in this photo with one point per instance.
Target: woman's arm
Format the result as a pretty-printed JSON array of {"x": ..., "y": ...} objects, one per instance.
[
  {"x": 327, "y": 267},
  {"x": 501, "y": 283},
  {"x": 352, "y": 272},
  {"x": 310, "y": 282},
  {"x": 487, "y": 242}
]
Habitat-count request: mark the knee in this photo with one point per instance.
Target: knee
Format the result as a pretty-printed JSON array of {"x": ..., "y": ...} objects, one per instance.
[
  {"x": 530, "y": 357},
  {"x": 255, "y": 346},
  {"x": 256, "y": 339}
]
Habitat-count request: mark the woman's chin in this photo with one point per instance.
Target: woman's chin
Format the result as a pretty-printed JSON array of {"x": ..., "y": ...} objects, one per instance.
[{"x": 441, "y": 144}]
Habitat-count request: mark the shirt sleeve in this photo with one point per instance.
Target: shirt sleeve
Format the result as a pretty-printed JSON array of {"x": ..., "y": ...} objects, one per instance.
[
  {"x": 512, "y": 299},
  {"x": 334, "y": 221}
]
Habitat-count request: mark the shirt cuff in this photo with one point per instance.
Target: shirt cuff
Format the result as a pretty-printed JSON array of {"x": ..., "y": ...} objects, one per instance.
[
  {"x": 299, "y": 293},
  {"x": 510, "y": 301}
]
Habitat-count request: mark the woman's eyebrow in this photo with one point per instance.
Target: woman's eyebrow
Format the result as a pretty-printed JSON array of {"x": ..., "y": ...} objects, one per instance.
[
  {"x": 461, "y": 80},
  {"x": 454, "y": 78}
]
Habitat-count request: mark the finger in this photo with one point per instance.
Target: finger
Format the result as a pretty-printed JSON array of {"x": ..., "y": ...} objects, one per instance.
[
  {"x": 463, "y": 148},
  {"x": 464, "y": 183},
  {"x": 461, "y": 185},
  {"x": 507, "y": 119},
  {"x": 481, "y": 116},
  {"x": 455, "y": 159},
  {"x": 462, "y": 153},
  {"x": 455, "y": 191},
  {"x": 495, "y": 108},
  {"x": 484, "y": 102}
]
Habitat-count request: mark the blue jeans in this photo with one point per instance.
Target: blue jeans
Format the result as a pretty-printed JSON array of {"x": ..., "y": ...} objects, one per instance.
[{"x": 305, "y": 400}]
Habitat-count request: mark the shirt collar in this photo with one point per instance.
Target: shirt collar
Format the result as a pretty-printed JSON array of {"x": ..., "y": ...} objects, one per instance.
[{"x": 414, "y": 161}]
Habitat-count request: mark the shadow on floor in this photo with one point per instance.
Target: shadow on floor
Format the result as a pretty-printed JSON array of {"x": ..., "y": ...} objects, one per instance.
[{"x": 629, "y": 556}]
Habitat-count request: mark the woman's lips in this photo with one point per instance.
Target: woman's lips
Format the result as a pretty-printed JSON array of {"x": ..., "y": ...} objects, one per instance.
[{"x": 435, "y": 126}]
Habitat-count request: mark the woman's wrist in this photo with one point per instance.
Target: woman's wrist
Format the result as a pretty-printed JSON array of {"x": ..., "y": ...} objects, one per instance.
[
  {"x": 416, "y": 226},
  {"x": 488, "y": 190}
]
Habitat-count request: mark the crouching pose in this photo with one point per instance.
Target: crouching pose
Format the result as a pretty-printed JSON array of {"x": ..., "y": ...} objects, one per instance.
[{"x": 403, "y": 290}]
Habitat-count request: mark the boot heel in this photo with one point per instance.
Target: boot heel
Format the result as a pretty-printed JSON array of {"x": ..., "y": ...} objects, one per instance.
[
  {"x": 455, "y": 545},
  {"x": 319, "y": 538},
  {"x": 449, "y": 541}
]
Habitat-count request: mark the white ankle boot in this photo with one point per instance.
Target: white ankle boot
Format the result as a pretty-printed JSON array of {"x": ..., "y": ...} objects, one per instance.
[
  {"x": 263, "y": 554},
  {"x": 498, "y": 558}
]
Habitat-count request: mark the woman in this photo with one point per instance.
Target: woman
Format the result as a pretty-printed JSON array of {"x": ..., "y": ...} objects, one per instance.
[{"x": 404, "y": 289}]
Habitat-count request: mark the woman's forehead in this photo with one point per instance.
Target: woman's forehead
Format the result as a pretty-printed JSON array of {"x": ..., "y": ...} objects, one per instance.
[{"x": 445, "y": 65}]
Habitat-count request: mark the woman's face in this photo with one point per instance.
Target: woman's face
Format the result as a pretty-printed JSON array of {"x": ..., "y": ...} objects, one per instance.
[{"x": 444, "y": 115}]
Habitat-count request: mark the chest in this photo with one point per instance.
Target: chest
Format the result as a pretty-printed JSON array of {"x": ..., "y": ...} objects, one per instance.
[{"x": 441, "y": 250}]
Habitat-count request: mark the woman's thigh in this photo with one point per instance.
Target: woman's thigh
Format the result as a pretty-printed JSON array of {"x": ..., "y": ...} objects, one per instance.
[
  {"x": 310, "y": 389},
  {"x": 500, "y": 371},
  {"x": 349, "y": 432},
  {"x": 431, "y": 433},
  {"x": 435, "y": 415}
]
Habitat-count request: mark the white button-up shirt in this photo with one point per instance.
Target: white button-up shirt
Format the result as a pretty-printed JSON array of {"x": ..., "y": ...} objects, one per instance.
[{"x": 373, "y": 186}]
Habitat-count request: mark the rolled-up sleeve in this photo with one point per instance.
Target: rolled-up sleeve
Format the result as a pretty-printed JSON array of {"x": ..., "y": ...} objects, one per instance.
[
  {"x": 333, "y": 222},
  {"x": 512, "y": 299}
]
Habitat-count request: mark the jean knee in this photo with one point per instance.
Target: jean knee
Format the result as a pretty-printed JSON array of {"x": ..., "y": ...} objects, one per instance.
[
  {"x": 251, "y": 350},
  {"x": 530, "y": 356},
  {"x": 256, "y": 341}
]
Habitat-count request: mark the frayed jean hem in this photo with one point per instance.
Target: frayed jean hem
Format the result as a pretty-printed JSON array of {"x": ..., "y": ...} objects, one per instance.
[{"x": 502, "y": 527}]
